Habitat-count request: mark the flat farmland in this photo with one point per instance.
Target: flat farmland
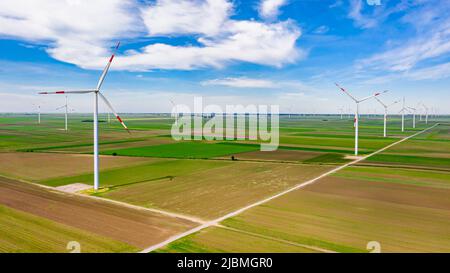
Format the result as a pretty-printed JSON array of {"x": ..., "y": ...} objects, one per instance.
[
  {"x": 138, "y": 228},
  {"x": 186, "y": 149},
  {"x": 339, "y": 216},
  {"x": 428, "y": 151},
  {"x": 24, "y": 232},
  {"x": 41, "y": 166},
  {"x": 404, "y": 208},
  {"x": 278, "y": 155},
  {"x": 398, "y": 197},
  {"x": 155, "y": 170},
  {"x": 217, "y": 240},
  {"x": 214, "y": 192}
]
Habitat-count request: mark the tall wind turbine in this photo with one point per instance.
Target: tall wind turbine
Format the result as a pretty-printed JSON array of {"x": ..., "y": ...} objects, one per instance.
[
  {"x": 385, "y": 114},
  {"x": 66, "y": 113},
  {"x": 357, "y": 112},
  {"x": 96, "y": 93}
]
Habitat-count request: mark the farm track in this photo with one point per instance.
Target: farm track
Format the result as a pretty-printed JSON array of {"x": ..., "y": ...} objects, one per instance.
[{"x": 299, "y": 186}]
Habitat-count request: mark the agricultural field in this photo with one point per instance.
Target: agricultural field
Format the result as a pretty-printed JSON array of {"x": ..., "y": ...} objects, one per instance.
[
  {"x": 133, "y": 228},
  {"x": 24, "y": 232},
  {"x": 231, "y": 186},
  {"x": 403, "y": 208},
  {"x": 153, "y": 187}
]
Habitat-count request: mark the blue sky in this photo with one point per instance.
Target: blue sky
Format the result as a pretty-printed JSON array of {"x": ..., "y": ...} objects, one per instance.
[{"x": 285, "y": 52}]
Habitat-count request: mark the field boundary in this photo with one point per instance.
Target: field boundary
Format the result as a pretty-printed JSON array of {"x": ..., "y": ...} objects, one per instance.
[{"x": 216, "y": 222}]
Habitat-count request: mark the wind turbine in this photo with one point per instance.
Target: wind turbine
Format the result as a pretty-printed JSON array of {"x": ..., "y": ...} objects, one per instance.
[
  {"x": 426, "y": 113},
  {"x": 414, "y": 116},
  {"x": 177, "y": 115},
  {"x": 66, "y": 113},
  {"x": 342, "y": 112},
  {"x": 38, "y": 106},
  {"x": 385, "y": 114},
  {"x": 403, "y": 110},
  {"x": 357, "y": 111},
  {"x": 96, "y": 93}
]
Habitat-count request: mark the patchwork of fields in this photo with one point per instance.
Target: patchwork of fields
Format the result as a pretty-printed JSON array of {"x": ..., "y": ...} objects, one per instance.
[{"x": 398, "y": 197}]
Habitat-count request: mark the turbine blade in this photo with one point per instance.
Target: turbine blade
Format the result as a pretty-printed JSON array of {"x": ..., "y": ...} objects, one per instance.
[
  {"x": 106, "y": 69},
  {"x": 373, "y": 96},
  {"x": 113, "y": 111},
  {"x": 395, "y": 102},
  {"x": 67, "y": 92},
  {"x": 384, "y": 105},
  {"x": 346, "y": 92}
]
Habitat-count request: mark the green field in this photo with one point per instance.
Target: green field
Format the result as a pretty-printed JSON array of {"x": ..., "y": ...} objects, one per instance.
[
  {"x": 189, "y": 149},
  {"x": 211, "y": 192},
  {"x": 398, "y": 197},
  {"x": 137, "y": 174},
  {"x": 404, "y": 209},
  {"x": 217, "y": 240}
]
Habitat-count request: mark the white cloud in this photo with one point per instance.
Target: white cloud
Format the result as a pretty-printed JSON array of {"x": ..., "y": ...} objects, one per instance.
[
  {"x": 405, "y": 57},
  {"x": 431, "y": 73},
  {"x": 269, "y": 9},
  {"x": 321, "y": 30},
  {"x": 245, "y": 41},
  {"x": 419, "y": 57},
  {"x": 241, "y": 82},
  {"x": 186, "y": 16},
  {"x": 361, "y": 20},
  {"x": 369, "y": 16},
  {"x": 81, "y": 32}
]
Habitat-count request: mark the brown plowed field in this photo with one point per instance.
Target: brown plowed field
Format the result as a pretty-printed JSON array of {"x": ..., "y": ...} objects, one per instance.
[{"x": 136, "y": 227}]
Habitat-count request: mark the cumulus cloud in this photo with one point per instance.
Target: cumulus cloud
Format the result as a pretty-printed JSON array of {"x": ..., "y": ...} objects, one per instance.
[
  {"x": 245, "y": 41},
  {"x": 81, "y": 32},
  {"x": 270, "y": 9},
  {"x": 186, "y": 16}
]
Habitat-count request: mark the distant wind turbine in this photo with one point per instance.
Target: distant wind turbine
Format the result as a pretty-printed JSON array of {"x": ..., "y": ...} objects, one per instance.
[
  {"x": 403, "y": 110},
  {"x": 66, "y": 106},
  {"x": 426, "y": 113},
  {"x": 38, "y": 108},
  {"x": 414, "y": 115},
  {"x": 177, "y": 115},
  {"x": 96, "y": 93},
  {"x": 385, "y": 114}
]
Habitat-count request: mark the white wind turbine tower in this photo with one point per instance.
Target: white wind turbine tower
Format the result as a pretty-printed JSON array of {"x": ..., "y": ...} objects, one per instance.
[
  {"x": 66, "y": 106},
  {"x": 96, "y": 93},
  {"x": 357, "y": 112},
  {"x": 414, "y": 116},
  {"x": 342, "y": 112},
  {"x": 176, "y": 115},
  {"x": 38, "y": 107},
  {"x": 385, "y": 114},
  {"x": 426, "y": 113},
  {"x": 403, "y": 110}
]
